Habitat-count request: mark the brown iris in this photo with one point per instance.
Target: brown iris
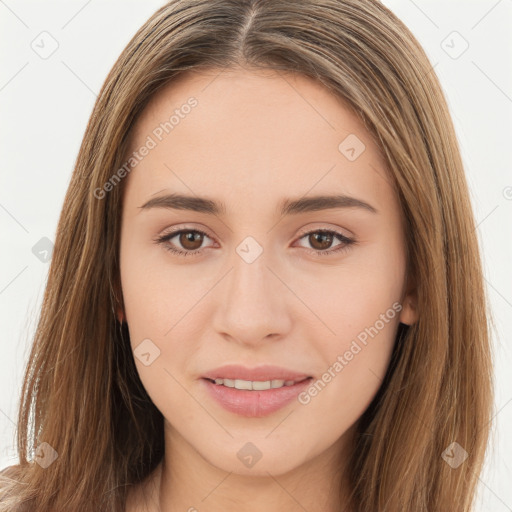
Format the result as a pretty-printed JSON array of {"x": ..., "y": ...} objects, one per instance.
[
  {"x": 190, "y": 240},
  {"x": 320, "y": 241}
]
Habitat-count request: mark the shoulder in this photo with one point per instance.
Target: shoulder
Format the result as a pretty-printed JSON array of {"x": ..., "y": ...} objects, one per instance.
[
  {"x": 9, "y": 475},
  {"x": 10, "y": 471},
  {"x": 10, "y": 480}
]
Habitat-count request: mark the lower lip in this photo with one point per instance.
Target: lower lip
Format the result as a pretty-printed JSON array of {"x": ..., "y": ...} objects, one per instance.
[{"x": 254, "y": 404}]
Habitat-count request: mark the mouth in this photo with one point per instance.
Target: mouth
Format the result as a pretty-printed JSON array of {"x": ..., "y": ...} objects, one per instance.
[
  {"x": 252, "y": 398},
  {"x": 256, "y": 385}
]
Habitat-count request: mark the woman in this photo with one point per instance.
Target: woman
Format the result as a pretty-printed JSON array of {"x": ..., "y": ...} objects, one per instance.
[{"x": 266, "y": 289}]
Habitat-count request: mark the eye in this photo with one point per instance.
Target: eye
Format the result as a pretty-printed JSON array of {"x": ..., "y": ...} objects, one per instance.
[
  {"x": 322, "y": 239},
  {"x": 191, "y": 240}
]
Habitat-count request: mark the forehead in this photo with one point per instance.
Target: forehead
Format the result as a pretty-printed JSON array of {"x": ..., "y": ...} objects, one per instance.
[
  {"x": 259, "y": 131},
  {"x": 255, "y": 98}
]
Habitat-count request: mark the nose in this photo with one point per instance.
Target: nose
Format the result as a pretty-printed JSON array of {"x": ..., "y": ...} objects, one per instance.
[{"x": 253, "y": 303}]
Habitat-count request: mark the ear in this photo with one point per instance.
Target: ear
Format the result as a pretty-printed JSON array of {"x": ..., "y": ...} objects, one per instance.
[
  {"x": 409, "y": 313},
  {"x": 118, "y": 298},
  {"x": 120, "y": 314}
]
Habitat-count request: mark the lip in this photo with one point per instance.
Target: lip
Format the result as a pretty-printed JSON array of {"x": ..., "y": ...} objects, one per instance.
[
  {"x": 261, "y": 373},
  {"x": 251, "y": 403},
  {"x": 254, "y": 404}
]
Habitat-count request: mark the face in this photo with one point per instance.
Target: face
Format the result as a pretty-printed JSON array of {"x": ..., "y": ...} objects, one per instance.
[{"x": 250, "y": 270}]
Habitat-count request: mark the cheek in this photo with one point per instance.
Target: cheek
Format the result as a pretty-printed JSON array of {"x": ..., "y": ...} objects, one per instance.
[
  {"x": 151, "y": 292},
  {"x": 359, "y": 304},
  {"x": 361, "y": 292},
  {"x": 161, "y": 347},
  {"x": 355, "y": 366},
  {"x": 160, "y": 303}
]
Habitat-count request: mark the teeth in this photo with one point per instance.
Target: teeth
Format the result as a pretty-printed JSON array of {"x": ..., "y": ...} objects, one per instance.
[
  {"x": 254, "y": 384},
  {"x": 260, "y": 386},
  {"x": 243, "y": 384}
]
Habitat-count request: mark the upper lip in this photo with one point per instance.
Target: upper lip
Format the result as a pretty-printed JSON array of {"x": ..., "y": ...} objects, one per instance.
[{"x": 260, "y": 373}]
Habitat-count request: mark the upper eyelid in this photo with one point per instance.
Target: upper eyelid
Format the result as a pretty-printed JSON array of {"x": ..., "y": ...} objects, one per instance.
[
  {"x": 312, "y": 229},
  {"x": 168, "y": 236}
]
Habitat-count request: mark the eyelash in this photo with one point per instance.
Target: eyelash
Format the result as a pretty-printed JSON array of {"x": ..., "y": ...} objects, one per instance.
[{"x": 162, "y": 240}]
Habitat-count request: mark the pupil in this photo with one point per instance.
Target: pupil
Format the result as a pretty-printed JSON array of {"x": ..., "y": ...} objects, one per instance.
[
  {"x": 191, "y": 238},
  {"x": 326, "y": 236}
]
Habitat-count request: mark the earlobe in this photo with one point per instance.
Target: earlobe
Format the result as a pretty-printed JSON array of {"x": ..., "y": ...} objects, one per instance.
[
  {"x": 120, "y": 314},
  {"x": 118, "y": 303},
  {"x": 409, "y": 313}
]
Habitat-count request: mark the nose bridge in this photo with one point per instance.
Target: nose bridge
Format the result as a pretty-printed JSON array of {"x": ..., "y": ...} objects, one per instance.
[
  {"x": 249, "y": 285},
  {"x": 252, "y": 300}
]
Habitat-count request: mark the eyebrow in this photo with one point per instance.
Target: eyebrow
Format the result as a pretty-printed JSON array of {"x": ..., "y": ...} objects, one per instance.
[{"x": 286, "y": 207}]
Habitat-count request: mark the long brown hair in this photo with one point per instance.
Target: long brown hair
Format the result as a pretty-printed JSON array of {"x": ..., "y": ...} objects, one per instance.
[{"x": 81, "y": 393}]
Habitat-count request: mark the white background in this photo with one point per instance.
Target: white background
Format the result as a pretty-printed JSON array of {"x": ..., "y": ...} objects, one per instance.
[{"x": 45, "y": 105}]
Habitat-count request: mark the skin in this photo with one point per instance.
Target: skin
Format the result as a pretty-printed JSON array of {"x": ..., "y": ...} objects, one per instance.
[{"x": 255, "y": 138}]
